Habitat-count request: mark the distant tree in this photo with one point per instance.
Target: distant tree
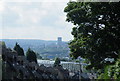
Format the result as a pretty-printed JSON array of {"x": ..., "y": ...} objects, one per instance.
[
  {"x": 96, "y": 32},
  {"x": 19, "y": 49},
  {"x": 57, "y": 62},
  {"x": 3, "y": 45},
  {"x": 31, "y": 56},
  {"x": 38, "y": 56}
]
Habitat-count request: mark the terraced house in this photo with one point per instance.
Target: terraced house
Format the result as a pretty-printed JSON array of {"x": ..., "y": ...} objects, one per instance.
[{"x": 17, "y": 67}]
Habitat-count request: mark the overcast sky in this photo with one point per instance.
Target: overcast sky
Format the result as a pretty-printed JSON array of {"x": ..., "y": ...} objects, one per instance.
[{"x": 43, "y": 19}]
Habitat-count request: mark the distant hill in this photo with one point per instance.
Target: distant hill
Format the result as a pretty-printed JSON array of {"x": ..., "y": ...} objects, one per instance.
[{"x": 46, "y": 49}]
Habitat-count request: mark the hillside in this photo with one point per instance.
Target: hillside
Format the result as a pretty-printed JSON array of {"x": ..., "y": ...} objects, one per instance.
[{"x": 46, "y": 49}]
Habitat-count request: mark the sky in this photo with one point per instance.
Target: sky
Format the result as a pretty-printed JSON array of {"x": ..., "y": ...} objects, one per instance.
[{"x": 34, "y": 19}]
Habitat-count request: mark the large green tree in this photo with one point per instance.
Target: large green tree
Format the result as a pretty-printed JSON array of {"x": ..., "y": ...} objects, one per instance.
[
  {"x": 31, "y": 56},
  {"x": 19, "y": 49},
  {"x": 96, "y": 32}
]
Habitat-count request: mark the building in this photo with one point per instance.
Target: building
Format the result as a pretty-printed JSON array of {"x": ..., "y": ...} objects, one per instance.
[
  {"x": 59, "y": 41},
  {"x": 17, "y": 67}
]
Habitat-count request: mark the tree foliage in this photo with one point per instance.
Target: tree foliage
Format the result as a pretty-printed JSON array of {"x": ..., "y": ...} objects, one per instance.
[
  {"x": 38, "y": 56},
  {"x": 2, "y": 43},
  {"x": 31, "y": 56},
  {"x": 19, "y": 49},
  {"x": 57, "y": 62},
  {"x": 96, "y": 32},
  {"x": 114, "y": 70},
  {"x": 111, "y": 71}
]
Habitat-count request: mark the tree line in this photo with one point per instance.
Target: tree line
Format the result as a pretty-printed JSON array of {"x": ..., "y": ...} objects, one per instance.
[{"x": 30, "y": 54}]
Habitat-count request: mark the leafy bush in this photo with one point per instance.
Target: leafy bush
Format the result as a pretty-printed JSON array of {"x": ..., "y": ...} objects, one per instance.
[
  {"x": 111, "y": 71},
  {"x": 114, "y": 70}
]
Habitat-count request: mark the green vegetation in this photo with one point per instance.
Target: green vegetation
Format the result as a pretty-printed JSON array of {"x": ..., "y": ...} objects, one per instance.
[
  {"x": 31, "y": 56},
  {"x": 47, "y": 49},
  {"x": 105, "y": 74},
  {"x": 57, "y": 62},
  {"x": 111, "y": 71},
  {"x": 3, "y": 44},
  {"x": 18, "y": 49},
  {"x": 96, "y": 32},
  {"x": 53, "y": 51},
  {"x": 38, "y": 56}
]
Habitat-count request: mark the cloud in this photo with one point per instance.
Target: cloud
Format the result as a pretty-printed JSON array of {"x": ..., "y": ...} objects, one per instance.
[
  {"x": 36, "y": 0},
  {"x": 1, "y": 6},
  {"x": 1, "y": 12},
  {"x": 45, "y": 33},
  {"x": 38, "y": 20}
]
